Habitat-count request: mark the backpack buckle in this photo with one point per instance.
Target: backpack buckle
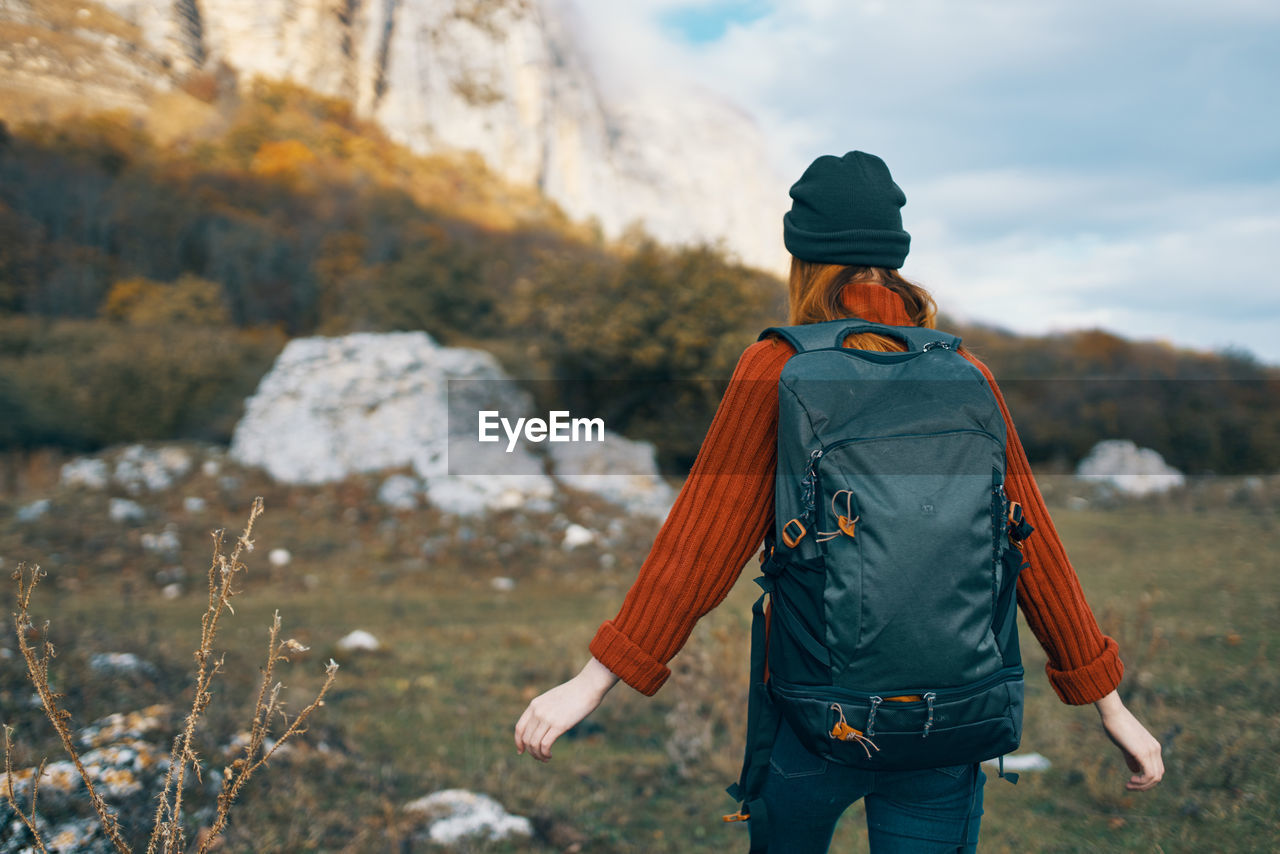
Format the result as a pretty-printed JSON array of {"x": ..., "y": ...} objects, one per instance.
[
  {"x": 1019, "y": 528},
  {"x": 790, "y": 539}
]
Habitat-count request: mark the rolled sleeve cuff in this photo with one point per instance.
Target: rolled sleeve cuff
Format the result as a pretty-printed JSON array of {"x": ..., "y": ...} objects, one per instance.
[
  {"x": 1090, "y": 682},
  {"x": 632, "y": 664}
]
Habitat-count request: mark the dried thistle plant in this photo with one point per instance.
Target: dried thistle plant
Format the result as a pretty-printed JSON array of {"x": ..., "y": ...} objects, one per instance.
[
  {"x": 28, "y": 820},
  {"x": 38, "y": 671},
  {"x": 168, "y": 835}
]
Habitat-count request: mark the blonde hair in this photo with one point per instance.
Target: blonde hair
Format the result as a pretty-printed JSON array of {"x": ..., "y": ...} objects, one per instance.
[{"x": 816, "y": 294}]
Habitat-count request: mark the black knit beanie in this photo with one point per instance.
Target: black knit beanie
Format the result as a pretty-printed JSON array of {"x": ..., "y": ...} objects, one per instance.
[{"x": 847, "y": 210}]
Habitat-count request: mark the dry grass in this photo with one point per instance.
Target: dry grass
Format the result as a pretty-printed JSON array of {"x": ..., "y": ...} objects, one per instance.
[
  {"x": 708, "y": 727},
  {"x": 1187, "y": 584},
  {"x": 168, "y": 835}
]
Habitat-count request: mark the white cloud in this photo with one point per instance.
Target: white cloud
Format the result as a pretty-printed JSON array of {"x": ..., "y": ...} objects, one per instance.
[
  {"x": 1065, "y": 163},
  {"x": 1198, "y": 286}
]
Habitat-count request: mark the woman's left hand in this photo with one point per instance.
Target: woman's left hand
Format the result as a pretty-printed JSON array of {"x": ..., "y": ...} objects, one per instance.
[{"x": 554, "y": 713}]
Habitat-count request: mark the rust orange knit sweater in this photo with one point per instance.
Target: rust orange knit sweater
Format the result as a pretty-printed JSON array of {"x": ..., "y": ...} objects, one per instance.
[{"x": 724, "y": 510}]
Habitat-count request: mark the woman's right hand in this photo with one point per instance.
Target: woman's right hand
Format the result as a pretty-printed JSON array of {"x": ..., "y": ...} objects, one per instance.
[
  {"x": 554, "y": 713},
  {"x": 1141, "y": 750}
]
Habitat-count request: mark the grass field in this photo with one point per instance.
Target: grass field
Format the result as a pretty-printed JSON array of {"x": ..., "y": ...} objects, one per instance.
[{"x": 1188, "y": 584}]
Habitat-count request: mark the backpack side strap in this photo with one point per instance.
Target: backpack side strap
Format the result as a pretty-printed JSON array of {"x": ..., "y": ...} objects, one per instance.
[{"x": 762, "y": 729}]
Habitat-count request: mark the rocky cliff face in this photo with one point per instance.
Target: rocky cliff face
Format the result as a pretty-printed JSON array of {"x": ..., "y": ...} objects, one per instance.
[{"x": 504, "y": 78}]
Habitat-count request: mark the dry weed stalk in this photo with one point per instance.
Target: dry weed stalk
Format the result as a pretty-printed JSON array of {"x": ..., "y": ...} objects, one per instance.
[
  {"x": 29, "y": 821},
  {"x": 167, "y": 834},
  {"x": 38, "y": 670},
  {"x": 269, "y": 705}
]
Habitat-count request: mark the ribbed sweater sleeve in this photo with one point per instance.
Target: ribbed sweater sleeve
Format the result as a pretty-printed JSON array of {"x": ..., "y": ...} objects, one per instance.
[
  {"x": 1084, "y": 664},
  {"x": 717, "y": 523}
]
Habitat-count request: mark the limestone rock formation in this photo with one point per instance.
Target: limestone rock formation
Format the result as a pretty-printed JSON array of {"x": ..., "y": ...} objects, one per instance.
[
  {"x": 331, "y": 407},
  {"x": 507, "y": 79},
  {"x": 83, "y": 55}
]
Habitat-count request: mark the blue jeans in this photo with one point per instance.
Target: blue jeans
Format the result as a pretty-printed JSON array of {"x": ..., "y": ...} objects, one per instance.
[{"x": 908, "y": 812}]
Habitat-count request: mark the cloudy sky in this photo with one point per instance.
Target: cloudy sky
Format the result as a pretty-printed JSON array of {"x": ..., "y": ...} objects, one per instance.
[{"x": 1067, "y": 163}]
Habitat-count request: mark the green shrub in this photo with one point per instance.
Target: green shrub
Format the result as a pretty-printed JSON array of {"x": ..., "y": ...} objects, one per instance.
[
  {"x": 190, "y": 301},
  {"x": 645, "y": 342},
  {"x": 90, "y": 383}
]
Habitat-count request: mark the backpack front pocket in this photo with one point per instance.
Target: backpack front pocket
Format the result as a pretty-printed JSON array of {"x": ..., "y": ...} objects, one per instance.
[
  {"x": 893, "y": 731},
  {"x": 909, "y": 584}
]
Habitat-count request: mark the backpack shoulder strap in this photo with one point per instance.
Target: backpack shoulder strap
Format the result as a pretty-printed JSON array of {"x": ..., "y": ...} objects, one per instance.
[{"x": 829, "y": 334}]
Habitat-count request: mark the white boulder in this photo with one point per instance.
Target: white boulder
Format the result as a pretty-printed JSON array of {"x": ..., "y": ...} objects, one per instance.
[
  {"x": 457, "y": 815},
  {"x": 576, "y": 535},
  {"x": 618, "y": 469},
  {"x": 121, "y": 664},
  {"x": 166, "y": 542},
  {"x": 1128, "y": 468},
  {"x": 1022, "y": 762},
  {"x": 400, "y": 492},
  {"x": 331, "y": 407},
  {"x": 139, "y": 467},
  {"x": 125, "y": 510},
  {"x": 359, "y": 641},
  {"x": 33, "y": 511},
  {"x": 86, "y": 472},
  {"x": 469, "y": 495}
]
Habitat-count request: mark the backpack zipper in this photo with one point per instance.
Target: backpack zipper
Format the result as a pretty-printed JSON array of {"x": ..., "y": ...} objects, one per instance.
[
  {"x": 809, "y": 494},
  {"x": 1004, "y": 674},
  {"x": 810, "y": 490},
  {"x": 826, "y": 449}
]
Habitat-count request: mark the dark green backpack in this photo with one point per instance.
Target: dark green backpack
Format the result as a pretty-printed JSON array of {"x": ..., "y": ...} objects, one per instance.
[{"x": 891, "y": 569}]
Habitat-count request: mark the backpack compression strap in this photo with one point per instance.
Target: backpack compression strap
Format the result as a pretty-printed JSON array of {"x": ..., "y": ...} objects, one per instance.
[
  {"x": 831, "y": 334},
  {"x": 762, "y": 729}
]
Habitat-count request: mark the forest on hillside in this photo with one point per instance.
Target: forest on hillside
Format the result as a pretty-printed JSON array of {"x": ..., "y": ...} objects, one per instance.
[{"x": 147, "y": 284}]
